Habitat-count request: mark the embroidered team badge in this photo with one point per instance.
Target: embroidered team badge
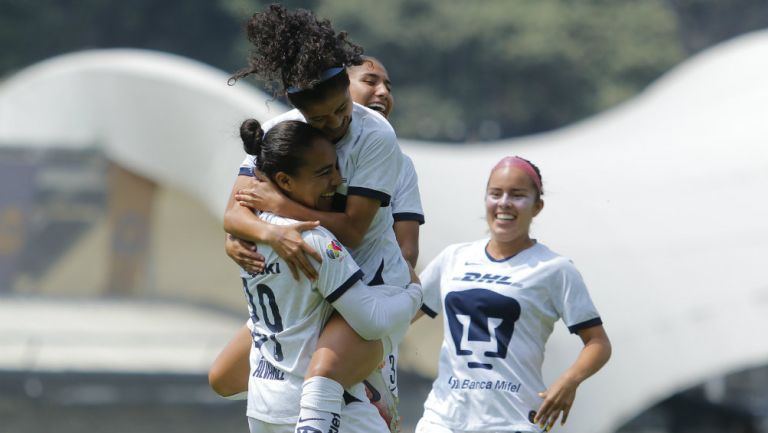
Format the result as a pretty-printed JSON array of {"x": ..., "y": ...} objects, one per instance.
[{"x": 333, "y": 250}]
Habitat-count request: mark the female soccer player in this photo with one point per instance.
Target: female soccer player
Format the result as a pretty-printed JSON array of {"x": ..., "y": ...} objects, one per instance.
[
  {"x": 306, "y": 59},
  {"x": 501, "y": 298},
  {"x": 369, "y": 85},
  {"x": 287, "y": 316}
]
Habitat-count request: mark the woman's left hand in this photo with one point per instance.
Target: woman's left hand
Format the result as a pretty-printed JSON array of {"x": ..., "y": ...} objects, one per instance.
[
  {"x": 261, "y": 195},
  {"x": 558, "y": 400}
]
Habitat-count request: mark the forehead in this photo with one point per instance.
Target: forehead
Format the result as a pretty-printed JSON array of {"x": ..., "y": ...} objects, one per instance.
[
  {"x": 509, "y": 177},
  {"x": 369, "y": 66},
  {"x": 320, "y": 154},
  {"x": 327, "y": 106}
]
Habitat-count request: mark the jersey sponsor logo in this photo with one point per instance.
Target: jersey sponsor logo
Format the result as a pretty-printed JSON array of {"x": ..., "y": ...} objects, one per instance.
[
  {"x": 269, "y": 269},
  {"x": 265, "y": 370},
  {"x": 483, "y": 384},
  {"x": 334, "y": 249},
  {"x": 471, "y": 264},
  {"x": 481, "y": 323},
  {"x": 335, "y": 423},
  {"x": 477, "y": 277}
]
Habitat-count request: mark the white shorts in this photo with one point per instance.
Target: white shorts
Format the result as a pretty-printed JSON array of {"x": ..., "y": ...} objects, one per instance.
[
  {"x": 425, "y": 426},
  {"x": 357, "y": 417}
]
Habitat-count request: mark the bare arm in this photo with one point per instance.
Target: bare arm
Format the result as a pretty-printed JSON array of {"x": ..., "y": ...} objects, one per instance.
[
  {"x": 560, "y": 396},
  {"x": 228, "y": 375},
  {"x": 244, "y": 253},
  {"x": 407, "y": 234},
  {"x": 242, "y": 223},
  {"x": 349, "y": 226}
]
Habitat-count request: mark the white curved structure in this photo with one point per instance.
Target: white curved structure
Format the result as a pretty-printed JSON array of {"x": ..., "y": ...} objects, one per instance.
[
  {"x": 661, "y": 202},
  {"x": 165, "y": 117}
]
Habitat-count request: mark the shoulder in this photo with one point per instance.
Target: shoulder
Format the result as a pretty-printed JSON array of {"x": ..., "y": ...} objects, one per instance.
[
  {"x": 320, "y": 234},
  {"x": 288, "y": 115},
  {"x": 408, "y": 163},
  {"x": 325, "y": 243},
  {"x": 276, "y": 219},
  {"x": 552, "y": 261},
  {"x": 372, "y": 125}
]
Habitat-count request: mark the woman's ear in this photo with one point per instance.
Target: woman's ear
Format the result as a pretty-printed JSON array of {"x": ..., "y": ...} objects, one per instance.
[
  {"x": 538, "y": 206},
  {"x": 283, "y": 181}
]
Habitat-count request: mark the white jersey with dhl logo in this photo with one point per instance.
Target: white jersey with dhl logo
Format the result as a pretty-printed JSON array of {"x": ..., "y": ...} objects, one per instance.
[{"x": 498, "y": 315}]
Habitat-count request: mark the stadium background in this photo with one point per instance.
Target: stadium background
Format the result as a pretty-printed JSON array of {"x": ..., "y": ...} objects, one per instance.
[{"x": 111, "y": 308}]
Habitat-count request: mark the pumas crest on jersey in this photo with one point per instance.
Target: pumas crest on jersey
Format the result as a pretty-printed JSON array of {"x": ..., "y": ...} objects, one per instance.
[{"x": 334, "y": 250}]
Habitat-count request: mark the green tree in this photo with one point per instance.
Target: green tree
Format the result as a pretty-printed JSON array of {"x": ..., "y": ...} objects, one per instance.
[
  {"x": 198, "y": 29},
  {"x": 483, "y": 69},
  {"x": 462, "y": 70}
]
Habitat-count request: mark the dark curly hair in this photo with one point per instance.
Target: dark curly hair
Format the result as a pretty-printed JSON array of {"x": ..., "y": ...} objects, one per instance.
[{"x": 291, "y": 48}]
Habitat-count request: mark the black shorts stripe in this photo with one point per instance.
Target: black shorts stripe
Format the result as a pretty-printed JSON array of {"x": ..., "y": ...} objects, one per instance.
[
  {"x": 349, "y": 398},
  {"x": 336, "y": 294},
  {"x": 586, "y": 324},
  {"x": 384, "y": 198},
  {"x": 408, "y": 216},
  {"x": 428, "y": 311}
]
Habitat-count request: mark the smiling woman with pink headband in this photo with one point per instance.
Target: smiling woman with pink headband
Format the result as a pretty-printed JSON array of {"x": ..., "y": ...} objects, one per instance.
[{"x": 500, "y": 298}]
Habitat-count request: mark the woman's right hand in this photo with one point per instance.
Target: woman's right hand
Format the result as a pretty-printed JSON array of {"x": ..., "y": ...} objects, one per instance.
[
  {"x": 244, "y": 254},
  {"x": 288, "y": 244}
]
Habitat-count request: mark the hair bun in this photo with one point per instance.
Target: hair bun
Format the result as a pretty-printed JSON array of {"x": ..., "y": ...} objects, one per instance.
[{"x": 252, "y": 136}]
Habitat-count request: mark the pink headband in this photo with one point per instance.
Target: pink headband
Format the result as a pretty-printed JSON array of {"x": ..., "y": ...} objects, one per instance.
[{"x": 522, "y": 164}]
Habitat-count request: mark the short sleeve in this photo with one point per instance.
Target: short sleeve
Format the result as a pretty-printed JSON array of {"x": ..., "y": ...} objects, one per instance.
[
  {"x": 248, "y": 166},
  {"x": 406, "y": 200},
  {"x": 571, "y": 299},
  {"x": 377, "y": 167},
  {"x": 431, "y": 278},
  {"x": 338, "y": 271}
]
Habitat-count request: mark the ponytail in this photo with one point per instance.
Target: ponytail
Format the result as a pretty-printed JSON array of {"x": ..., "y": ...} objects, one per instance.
[{"x": 252, "y": 136}]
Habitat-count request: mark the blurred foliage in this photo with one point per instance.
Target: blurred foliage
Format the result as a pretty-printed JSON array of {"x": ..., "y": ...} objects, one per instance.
[
  {"x": 703, "y": 23},
  {"x": 31, "y": 31},
  {"x": 503, "y": 68},
  {"x": 462, "y": 71}
]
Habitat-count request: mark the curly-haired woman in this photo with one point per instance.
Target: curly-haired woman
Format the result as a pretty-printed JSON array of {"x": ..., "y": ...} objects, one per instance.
[{"x": 304, "y": 58}]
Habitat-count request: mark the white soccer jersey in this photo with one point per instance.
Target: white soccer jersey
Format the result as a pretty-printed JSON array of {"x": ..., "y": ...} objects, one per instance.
[
  {"x": 286, "y": 319},
  {"x": 498, "y": 316},
  {"x": 369, "y": 161},
  {"x": 406, "y": 202}
]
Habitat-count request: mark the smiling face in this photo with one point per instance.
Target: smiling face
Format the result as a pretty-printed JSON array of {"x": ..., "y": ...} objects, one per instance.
[
  {"x": 369, "y": 85},
  {"x": 314, "y": 183},
  {"x": 511, "y": 203},
  {"x": 332, "y": 115}
]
